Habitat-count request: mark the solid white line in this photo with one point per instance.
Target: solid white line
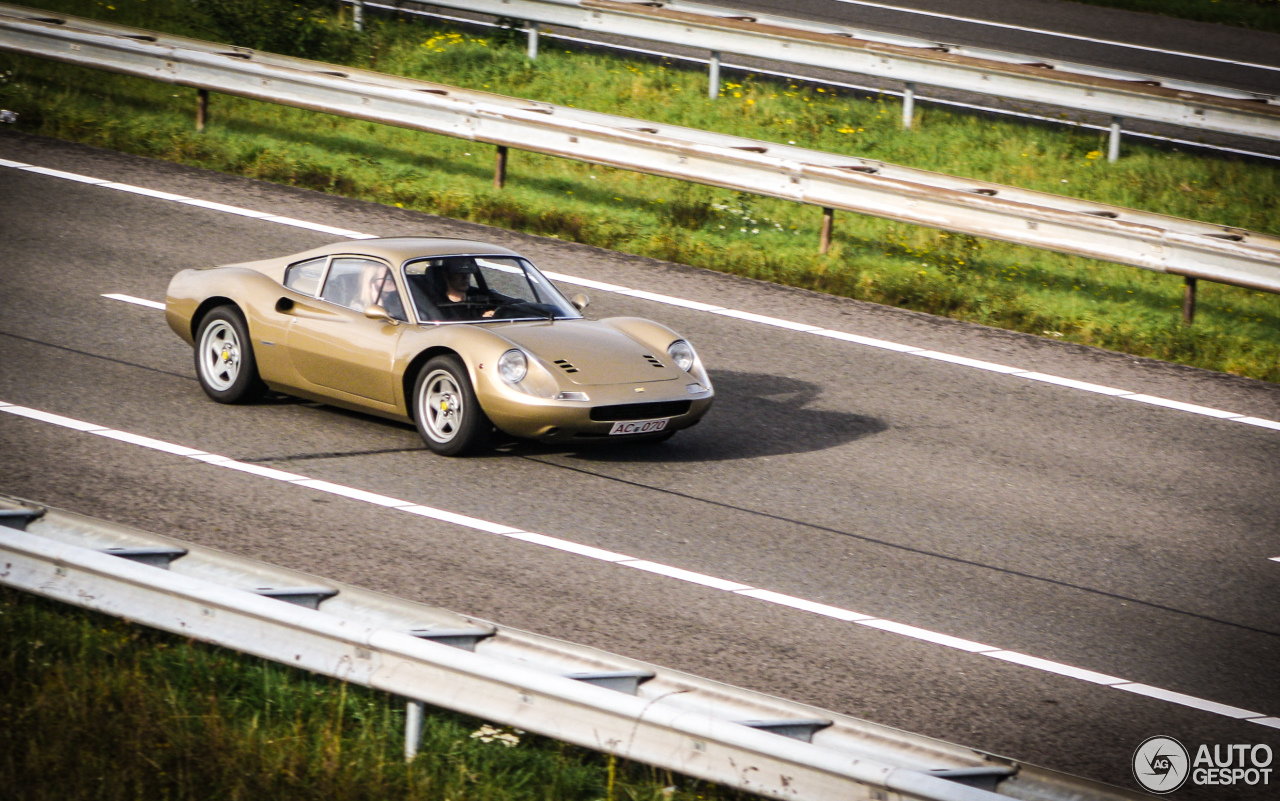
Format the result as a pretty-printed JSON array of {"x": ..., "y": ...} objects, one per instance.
[
  {"x": 803, "y": 605},
  {"x": 928, "y": 636},
  {"x": 587, "y": 282},
  {"x": 69, "y": 176},
  {"x": 656, "y": 298},
  {"x": 875, "y": 343},
  {"x": 1059, "y": 34},
  {"x": 685, "y": 575},
  {"x": 324, "y": 229},
  {"x": 150, "y": 304},
  {"x": 17, "y": 165},
  {"x": 1275, "y": 558},
  {"x": 1056, "y": 667},
  {"x": 967, "y": 362},
  {"x": 138, "y": 190},
  {"x": 1188, "y": 700},
  {"x": 766, "y": 320},
  {"x": 148, "y": 442},
  {"x": 1184, "y": 407},
  {"x": 713, "y": 582},
  {"x": 55, "y": 419},
  {"x": 352, "y": 493},
  {"x": 1073, "y": 384}
]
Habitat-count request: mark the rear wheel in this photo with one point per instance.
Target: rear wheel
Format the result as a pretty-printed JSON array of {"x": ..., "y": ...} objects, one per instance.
[
  {"x": 224, "y": 358},
  {"x": 448, "y": 416}
]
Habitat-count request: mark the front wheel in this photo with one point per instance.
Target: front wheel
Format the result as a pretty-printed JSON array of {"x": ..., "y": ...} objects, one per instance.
[
  {"x": 446, "y": 411},
  {"x": 224, "y": 358}
]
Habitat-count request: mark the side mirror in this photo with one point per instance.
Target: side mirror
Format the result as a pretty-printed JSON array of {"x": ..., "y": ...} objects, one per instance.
[
  {"x": 376, "y": 312},
  {"x": 580, "y": 301}
]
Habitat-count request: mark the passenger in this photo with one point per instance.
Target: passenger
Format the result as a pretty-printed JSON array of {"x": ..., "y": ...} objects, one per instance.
[{"x": 380, "y": 290}]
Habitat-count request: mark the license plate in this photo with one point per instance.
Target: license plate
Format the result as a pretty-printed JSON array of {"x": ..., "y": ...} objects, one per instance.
[{"x": 638, "y": 427}]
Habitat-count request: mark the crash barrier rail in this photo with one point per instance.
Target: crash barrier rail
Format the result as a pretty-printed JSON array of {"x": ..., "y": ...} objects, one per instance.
[
  {"x": 1156, "y": 242},
  {"x": 1120, "y": 94},
  {"x": 701, "y": 728}
]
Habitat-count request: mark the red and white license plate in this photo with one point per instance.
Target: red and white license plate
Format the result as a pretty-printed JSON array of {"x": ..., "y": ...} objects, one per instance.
[{"x": 638, "y": 427}]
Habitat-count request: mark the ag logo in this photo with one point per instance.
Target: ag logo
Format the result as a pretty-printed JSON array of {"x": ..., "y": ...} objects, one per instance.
[{"x": 1160, "y": 764}]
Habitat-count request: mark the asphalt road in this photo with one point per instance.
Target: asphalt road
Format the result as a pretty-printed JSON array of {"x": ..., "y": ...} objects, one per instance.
[
  {"x": 1110, "y": 535},
  {"x": 1024, "y": 26}
]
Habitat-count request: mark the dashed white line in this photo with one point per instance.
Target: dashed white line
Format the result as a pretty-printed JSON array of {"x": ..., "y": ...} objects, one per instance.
[
  {"x": 709, "y": 308},
  {"x": 150, "y": 304},
  {"x": 668, "y": 571}
]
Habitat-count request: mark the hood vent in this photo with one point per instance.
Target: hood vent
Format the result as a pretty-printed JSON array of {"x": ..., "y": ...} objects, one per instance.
[
  {"x": 653, "y": 361},
  {"x": 563, "y": 364}
]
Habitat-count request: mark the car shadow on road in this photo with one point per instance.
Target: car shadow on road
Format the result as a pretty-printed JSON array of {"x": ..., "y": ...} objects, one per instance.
[{"x": 754, "y": 414}]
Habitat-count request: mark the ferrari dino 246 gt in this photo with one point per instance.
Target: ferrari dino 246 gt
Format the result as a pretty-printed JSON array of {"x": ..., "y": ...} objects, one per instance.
[{"x": 458, "y": 337}]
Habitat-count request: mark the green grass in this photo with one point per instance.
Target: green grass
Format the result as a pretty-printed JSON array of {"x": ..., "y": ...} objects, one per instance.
[
  {"x": 97, "y": 708},
  {"x": 1110, "y": 306},
  {"x": 1260, "y": 15}
]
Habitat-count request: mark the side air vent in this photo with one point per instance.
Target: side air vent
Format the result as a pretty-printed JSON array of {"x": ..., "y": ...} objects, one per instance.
[
  {"x": 652, "y": 360},
  {"x": 563, "y": 364}
]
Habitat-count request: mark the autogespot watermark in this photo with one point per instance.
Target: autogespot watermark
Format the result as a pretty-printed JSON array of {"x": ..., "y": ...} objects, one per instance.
[{"x": 1161, "y": 765}]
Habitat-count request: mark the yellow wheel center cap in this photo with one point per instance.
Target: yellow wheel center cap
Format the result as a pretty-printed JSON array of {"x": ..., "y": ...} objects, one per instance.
[
  {"x": 444, "y": 405},
  {"x": 226, "y": 355}
]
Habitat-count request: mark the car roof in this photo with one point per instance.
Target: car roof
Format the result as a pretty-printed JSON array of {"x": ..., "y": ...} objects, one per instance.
[{"x": 401, "y": 248}]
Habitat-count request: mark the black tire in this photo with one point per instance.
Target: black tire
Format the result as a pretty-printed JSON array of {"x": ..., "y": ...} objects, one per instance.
[
  {"x": 225, "y": 365},
  {"x": 446, "y": 411}
]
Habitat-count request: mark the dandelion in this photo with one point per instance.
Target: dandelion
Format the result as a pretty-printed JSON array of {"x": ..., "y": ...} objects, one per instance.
[{"x": 1093, "y": 154}]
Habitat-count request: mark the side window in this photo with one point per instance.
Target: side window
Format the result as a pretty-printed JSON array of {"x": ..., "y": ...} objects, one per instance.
[
  {"x": 304, "y": 277},
  {"x": 360, "y": 283}
]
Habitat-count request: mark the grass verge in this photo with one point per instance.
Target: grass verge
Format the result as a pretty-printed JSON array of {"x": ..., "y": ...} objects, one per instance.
[
  {"x": 97, "y": 708},
  {"x": 1095, "y": 303}
]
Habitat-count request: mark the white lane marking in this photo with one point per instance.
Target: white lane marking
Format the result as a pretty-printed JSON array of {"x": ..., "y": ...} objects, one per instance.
[
  {"x": 805, "y": 606},
  {"x": 934, "y": 637},
  {"x": 712, "y": 582},
  {"x": 977, "y": 364},
  {"x": 68, "y": 176},
  {"x": 1073, "y": 384},
  {"x": 352, "y": 493},
  {"x": 765, "y": 320},
  {"x": 752, "y": 317},
  {"x": 685, "y": 575},
  {"x": 1054, "y": 667},
  {"x": 1059, "y": 34},
  {"x": 1272, "y": 722},
  {"x": 1188, "y": 700},
  {"x": 670, "y": 301},
  {"x": 587, "y": 282},
  {"x": 148, "y": 442},
  {"x": 1183, "y": 407},
  {"x": 139, "y": 190},
  {"x": 150, "y": 304},
  {"x": 324, "y": 229},
  {"x": 458, "y": 520},
  {"x": 17, "y": 165},
  {"x": 1275, "y": 558}
]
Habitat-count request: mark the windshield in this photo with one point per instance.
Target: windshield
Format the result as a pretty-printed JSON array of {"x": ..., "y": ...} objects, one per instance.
[{"x": 465, "y": 289}]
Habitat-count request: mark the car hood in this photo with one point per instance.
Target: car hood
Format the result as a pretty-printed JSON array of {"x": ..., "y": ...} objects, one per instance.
[{"x": 587, "y": 352}]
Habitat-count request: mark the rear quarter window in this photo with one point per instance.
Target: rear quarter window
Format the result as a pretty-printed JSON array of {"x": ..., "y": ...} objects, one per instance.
[{"x": 304, "y": 277}]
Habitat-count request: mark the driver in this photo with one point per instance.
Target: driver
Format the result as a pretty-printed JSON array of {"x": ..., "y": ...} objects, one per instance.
[{"x": 458, "y": 289}]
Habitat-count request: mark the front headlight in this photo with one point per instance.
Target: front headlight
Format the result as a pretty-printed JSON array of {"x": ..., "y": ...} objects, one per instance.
[
  {"x": 513, "y": 366},
  {"x": 682, "y": 352}
]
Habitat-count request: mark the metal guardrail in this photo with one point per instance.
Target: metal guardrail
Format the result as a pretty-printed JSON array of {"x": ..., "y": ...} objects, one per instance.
[
  {"x": 1119, "y": 94},
  {"x": 700, "y": 728},
  {"x": 1151, "y": 241}
]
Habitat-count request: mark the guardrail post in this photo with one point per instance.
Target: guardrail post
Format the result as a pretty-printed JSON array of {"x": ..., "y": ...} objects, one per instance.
[
  {"x": 357, "y": 14},
  {"x": 202, "y": 108},
  {"x": 1189, "y": 302},
  {"x": 533, "y": 40},
  {"x": 908, "y": 105},
  {"x": 1113, "y": 145},
  {"x": 500, "y": 168},
  {"x": 824, "y": 238},
  {"x": 412, "y": 729},
  {"x": 713, "y": 75}
]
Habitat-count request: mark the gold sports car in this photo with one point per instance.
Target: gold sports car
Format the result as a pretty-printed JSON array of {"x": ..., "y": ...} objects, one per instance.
[{"x": 458, "y": 337}]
